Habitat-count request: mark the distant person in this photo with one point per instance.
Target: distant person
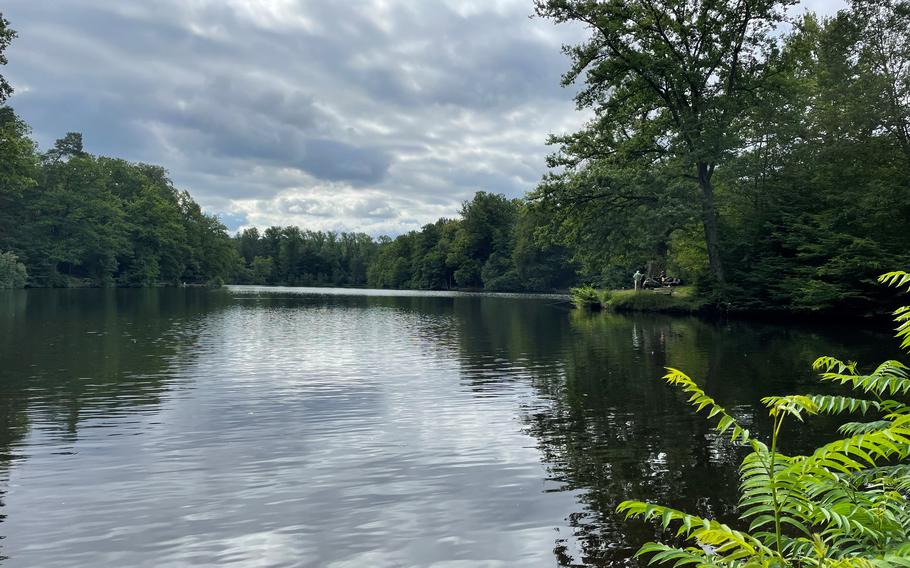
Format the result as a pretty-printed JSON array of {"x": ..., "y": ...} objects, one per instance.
[{"x": 636, "y": 279}]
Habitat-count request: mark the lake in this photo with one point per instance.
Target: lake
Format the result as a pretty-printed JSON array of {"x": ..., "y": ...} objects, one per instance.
[{"x": 316, "y": 427}]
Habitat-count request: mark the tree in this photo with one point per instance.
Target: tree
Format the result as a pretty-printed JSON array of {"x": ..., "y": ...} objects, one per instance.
[
  {"x": 70, "y": 146},
  {"x": 248, "y": 244},
  {"x": 431, "y": 248},
  {"x": 883, "y": 59},
  {"x": 12, "y": 272},
  {"x": 75, "y": 225},
  {"x": 610, "y": 232},
  {"x": 18, "y": 169},
  {"x": 811, "y": 204},
  {"x": 668, "y": 80},
  {"x": 541, "y": 263},
  {"x": 261, "y": 269},
  {"x": 487, "y": 226},
  {"x": 7, "y": 35}
]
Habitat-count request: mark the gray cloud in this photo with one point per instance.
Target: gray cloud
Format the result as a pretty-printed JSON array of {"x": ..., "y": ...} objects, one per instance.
[{"x": 365, "y": 115}]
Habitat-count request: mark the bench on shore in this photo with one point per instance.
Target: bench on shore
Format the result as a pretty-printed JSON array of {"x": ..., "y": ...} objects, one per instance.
[{"x": 666, "y": 290}]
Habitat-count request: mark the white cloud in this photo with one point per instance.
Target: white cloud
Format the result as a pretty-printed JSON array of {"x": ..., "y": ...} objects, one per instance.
[{"x": 250, "y": 103}]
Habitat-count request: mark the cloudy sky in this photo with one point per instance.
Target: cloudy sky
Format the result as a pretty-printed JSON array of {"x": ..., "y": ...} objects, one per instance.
[{"x": 369, "y": 115}]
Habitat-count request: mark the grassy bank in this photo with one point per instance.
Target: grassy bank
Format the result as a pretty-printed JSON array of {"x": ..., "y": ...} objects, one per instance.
[{"x": 681, "y": 300}]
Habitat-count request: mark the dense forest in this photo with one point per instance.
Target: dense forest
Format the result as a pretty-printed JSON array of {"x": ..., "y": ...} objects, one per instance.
[
  {"x": 492, "y": 246},
  {"x": 76, "y": 219},
  {"x": 763, "y": 157},
  {"x": 766, "y": 159},
  {"x": 69, "y": 218}
]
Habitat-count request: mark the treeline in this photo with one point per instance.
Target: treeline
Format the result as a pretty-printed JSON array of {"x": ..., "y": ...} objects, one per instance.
[
  {"x": 74, "y": 219},
  {"x": 289, "y": 256},
  {"x": 70, "y": 218},
  {"x": 493, "y": 246},
  {"x": 773, "y": 170},
  {"x": 770, "y": 169}
]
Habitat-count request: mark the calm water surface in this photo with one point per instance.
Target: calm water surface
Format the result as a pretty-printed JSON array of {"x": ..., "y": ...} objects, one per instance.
[{"x": 301, "y": 427}]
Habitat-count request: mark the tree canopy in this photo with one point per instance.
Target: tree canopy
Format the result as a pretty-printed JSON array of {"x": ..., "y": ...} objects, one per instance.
[
  {"x": 766, "y": 161},
  {"x": 667, "y": 80},
  {"x": 78, "y": 219},
  {"x": 7, "y": 35},
  {"x": 493, "y": 246}
]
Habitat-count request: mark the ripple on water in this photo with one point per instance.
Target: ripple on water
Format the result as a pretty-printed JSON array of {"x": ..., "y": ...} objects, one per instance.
[{"x": 326, "y": 428}]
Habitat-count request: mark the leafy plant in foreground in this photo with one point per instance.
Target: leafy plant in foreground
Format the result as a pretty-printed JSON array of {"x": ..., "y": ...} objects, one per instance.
[{"x": 844, "y": 505}]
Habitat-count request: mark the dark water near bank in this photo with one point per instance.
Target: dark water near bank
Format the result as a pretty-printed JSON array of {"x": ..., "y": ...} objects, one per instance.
[{"x": 295, "y": 428}]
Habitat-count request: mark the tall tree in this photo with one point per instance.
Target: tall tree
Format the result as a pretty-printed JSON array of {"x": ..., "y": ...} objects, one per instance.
[
  {"x": 7, "y": 35},
  {"x": 486, "y": 232},
  {"x": 667, "y": 81},
  {"x": 883, "y": 57},
  {"x": 18, "y": 169},
  {"x": 814, "y": 207}
]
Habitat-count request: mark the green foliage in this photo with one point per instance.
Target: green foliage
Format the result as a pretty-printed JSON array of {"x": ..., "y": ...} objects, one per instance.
[
  {"x": 7, "y": 35},
  {"x": 586, "y": 298},
  {"x": 78, "y": 219},
  {"x": 496, "y": 246},
  {"x": 845, "y": 504},
  {"x": 681, "y": 300},
  {"x": 261, "y": 270},
  {"x": 803, "y": 153},
  {"x": 12, "y": 272},
  {"x": 293, "y": 257},
  {"x": 671, "y": 84}
]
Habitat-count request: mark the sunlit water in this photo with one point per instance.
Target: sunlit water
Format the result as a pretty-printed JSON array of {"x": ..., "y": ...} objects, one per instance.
[{"x": 301, "y": 427}]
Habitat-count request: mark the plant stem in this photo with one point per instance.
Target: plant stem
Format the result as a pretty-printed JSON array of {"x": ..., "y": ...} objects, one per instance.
[{"x": 779, "y": 420}]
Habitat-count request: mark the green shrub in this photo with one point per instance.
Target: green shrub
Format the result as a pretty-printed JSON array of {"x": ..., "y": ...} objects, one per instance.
[
  {"x": 12, "y": 272},
  {"x": 844, "y": 505},
  {"x": 586, "y": 298}
]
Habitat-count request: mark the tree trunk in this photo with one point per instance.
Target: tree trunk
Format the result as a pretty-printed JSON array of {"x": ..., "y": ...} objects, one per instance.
[{"x": 709, "y": 220}]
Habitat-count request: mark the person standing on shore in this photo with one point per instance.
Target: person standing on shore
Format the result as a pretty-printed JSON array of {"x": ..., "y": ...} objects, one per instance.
[{"x": 636, "y": 279}]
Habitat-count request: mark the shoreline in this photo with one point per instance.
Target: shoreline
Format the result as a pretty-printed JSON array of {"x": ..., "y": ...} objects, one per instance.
[{"x": 683, "y": 302}]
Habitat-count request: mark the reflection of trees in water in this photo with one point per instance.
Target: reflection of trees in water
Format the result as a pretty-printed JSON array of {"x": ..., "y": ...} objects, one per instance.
[
  {"x": 65, "y": 354},
  {"x": 13, "y": 428},
  {"x": 611, "y": 431},
  {"x": 604, "y": 420},
  {"x": 608, "y": 428}
]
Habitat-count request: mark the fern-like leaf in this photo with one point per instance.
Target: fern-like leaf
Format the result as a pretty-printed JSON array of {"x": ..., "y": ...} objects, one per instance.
[
  {"x": 726, "y": 543},
  {"x": 902, "y": 318},
  {"x": 854, "y": 428},
  {"x": 890, "y": 377},
  {"x": 897, "y": 279},
  {"x": 825, "y": 404},
  {"x": 664, "y": 554},
  {"x": 701, "y": 401}
]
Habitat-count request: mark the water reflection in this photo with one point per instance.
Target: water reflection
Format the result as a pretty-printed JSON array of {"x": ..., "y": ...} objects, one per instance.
[
  {"x": 77, "y": 359},
  {"x": 293, "y": 427},
  {"x": 612, "y": 431}
]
